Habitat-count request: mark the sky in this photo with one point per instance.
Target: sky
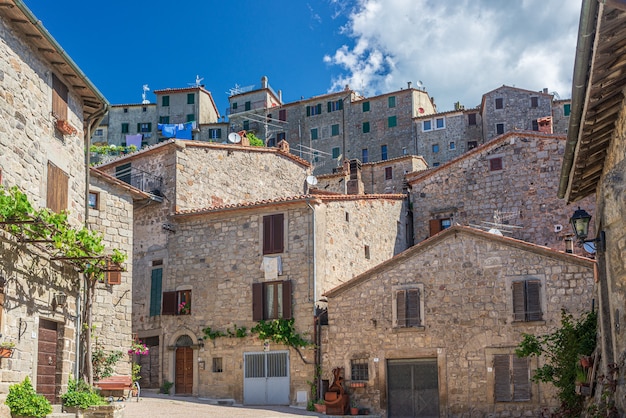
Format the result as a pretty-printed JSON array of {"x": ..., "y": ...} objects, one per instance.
[{"x": 456, "y": 49}]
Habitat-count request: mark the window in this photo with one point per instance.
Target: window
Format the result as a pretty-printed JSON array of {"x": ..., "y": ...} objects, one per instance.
[
  {"x": 471, "y": 119},
  {"x": 511, "y": 378},
  {"x": 164, "y": 119},
  {"x": 280, "y": 136},
  {"x": 388, "y": 173},
  {"x": 336, "y": 152},
  {"x": 334, "y": 130},
  {"x": 366, "y": 127},
  {"x": 156, "y": 283},
  {"x": 383, "y": 152},
  {"x": 408, "y": 307},
  {"x": 366, "y": 106},
  {"x": 59, "y": 98},
  {"x": 165, "y": 101},
  {"x": 99, "y": 132},
  {"x": 359, "y": 370},
  {"x": 124, "y": 128},
  {"x": 435, "y": 164},
  {"x": 316, "y": 156},
  {"x": 144, "y": 127},
  {"x": 125, "y": 110},
  {"x": 438, "y": 225},
  {"x": 534, "y": 102},
  {"x": 57, "y": 188},
  {"x": 94, "y": 198},
  {"x": 271, "y": 300},
  {"x": 122, "y": 172},
  {"x": 191, "y": 98},
  {"x": 215, "y": 133},
  {"x": 499, "y": 128},
  {"x": 391, "y": 121},
  {"x": 527, "y": 300},
  {"x": 234, "y": 105},
  {"x": 282, "y": 114},
  {"x": 495, "y": 164},
  {"x": 471, "y": 145},
  {"x": 273, "y": 233},
  {"x": 451, "y": 145},
  {"x": 391, "y": 101},
  {"x": 191, "y": 117},
  {"x": 144, "y": 109},
  {"x": 271, "y": 142},
  {"x": 435, "y": 148},
  {"x": 427, "y": 125},
  {"x": 440, "y": 123},
  {"x": 567, "y": 108},
  {"x": 535, "y": 124},
  {"x": 499, "y": 103},
  {"x": 247, "y": 105},
  {"x": 364, "y": 155},
  {"x": 314, "y": 110},
  {"x": 246, "y": 125},
  {"x": 177, "y": 302},
  {"x": 314, "y": 134},
  {"x": 217, "y": 365},
  {"x": 336, "y": 105}
]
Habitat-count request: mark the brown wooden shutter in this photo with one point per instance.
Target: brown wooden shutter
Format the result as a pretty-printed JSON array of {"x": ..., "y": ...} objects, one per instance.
[
  {"x": 113, "y": 277},
  {"x": 257, "y": 301},
  {"x": 401, "y": 308},
  {"x": 519, "y": 306},
  {"x": 413, "y": 308},
  {"x": 502, "y": 378},
  {"x": 59, "y": 98},
  {"x": 169, "y": 303},
  {"x": 273, "y": 234},
  {"x": 287, "y": 299},
  {"x": 57, "y": 188},
  {"x": 533, "y": 300},
  {"x": 435, "y": 226},
  {"x": 282, "y": 114},
  {"x": 521, "y": 379}
]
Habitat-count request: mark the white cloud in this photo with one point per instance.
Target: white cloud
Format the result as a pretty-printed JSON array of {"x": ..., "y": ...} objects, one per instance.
[{"x": 459, "y": 49}]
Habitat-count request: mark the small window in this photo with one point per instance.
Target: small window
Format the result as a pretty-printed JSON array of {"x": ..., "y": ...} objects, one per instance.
[
  {"x": 471, "y": 119},
  {"x": 435, "y": 148},
  {"x": 535, "y": 124},
  {"x": 144, "y": 127},
  {"x": 499, "y": 103},
  {"x": 99, "y": 132},
  {"x": 366, "y": 127},
  {"x": 383, "y": 152},
  {"x": 567, "y": 108},
  {"x": 247, "y": 105},
  {"x": 215, "y": 133},
  {"x": 191, "y": 98},
  {"x": 282, "y": 115},
  {"x": 176, "y": 302},
  {"x": 440, "y": 123},
  {"x": 314, "y": 110},
  {"x": 451, "y": 145},
  {"x": 408, "y": 312},
  {"x": 191, "y": 117},
  {"x": 527, "y": 301},
  {"x": 280, "y": 136},
  {"x": 335, "y": 105},
  {"x": 271, "y": 300},
  {"x": 364, "y": 155},
  {"x": 511, "y": 378},
  {"x": 499, "y": 128},
  {"x": 334, "y": 130},
  {"x": 246, "y": 125},
  {"x": 124, "y": 128},
  {"x": 125, "y": 110},
  {"x": 436, "y": 164},
  {"x": 164, "y": 119},
  {"x": 314, "y": 134},
  {"x": 495, "y": 164},
  {"x": 273, "y": 233},
  {"x": 471, "y": 145},
  {"x": 366, "y": 106},
  {"x": 123, "y": 172},
  {"x": 392, "y": 121},
  {"x": 165, "y": 101},
  {"x": 336, "y": 152},
  {"x": 234, "y": 105},
  {"x": 366, "y": 248},
  {"x": 438, "y": 225},
  {"x": 391, "y": 100},
  {"x": 144, "y": 109},
  {"x": 94, "y": 200},
  {"x": 534, "y": 102},
  {"x": 427, "y": 125},
  {"x": 217, "y": 365},
  {"x": 359, "y": 370},
  {"x": 388, "y": 173}
]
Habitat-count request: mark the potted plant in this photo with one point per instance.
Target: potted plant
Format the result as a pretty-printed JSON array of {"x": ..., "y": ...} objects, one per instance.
[
  {"x": 582, "y": 387},
  {"x": 320, "y": 406},
  {"x": 24, "y": 401},
  {"x": 184, "y": 308},
  {"x": 80, "y": 395},
  {"x": 354, "y": 409},
  {"x": 6, "y": 349}
]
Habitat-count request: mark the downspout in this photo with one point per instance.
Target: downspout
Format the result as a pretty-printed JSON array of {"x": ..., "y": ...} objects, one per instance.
[
  {"x": 316, "y": 322},
  {"x": 584, "y": 46}
]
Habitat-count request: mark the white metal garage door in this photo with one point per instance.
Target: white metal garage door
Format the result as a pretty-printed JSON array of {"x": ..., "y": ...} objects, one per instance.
[{"x": 266, "y": 378}]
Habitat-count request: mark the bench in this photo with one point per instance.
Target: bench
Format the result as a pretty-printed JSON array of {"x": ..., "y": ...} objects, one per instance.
[{"x": 119, "y": 384}]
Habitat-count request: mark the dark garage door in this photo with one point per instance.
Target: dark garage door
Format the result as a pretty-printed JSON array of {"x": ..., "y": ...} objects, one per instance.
[{"x": 413, "y": 388}]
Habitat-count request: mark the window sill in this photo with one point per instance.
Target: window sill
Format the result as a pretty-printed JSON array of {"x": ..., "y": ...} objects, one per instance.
[
  {"x": 409, "y": 329},
  {"x": 528, "y": 323}
]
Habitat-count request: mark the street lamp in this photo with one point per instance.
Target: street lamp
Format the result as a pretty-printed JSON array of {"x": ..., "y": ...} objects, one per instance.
[{"x": 580, "y": 224}]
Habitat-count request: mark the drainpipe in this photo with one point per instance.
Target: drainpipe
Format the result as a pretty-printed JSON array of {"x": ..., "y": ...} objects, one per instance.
[{"x": 316, "y": 323}]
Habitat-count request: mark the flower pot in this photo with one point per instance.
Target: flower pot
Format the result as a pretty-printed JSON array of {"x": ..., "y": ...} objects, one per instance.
[
  {"x": 319, "y": 408},
  {"x": 65, "y": 127},
  {"x": 354, "y": 411},
  {"x": 6, "y": 352},
  {"x": 586, "y": 361}
]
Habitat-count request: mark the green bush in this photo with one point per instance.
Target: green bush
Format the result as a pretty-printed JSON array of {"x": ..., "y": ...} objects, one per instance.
[
  {"x": 80, "y": 395},
  {"x": 23, "y": 400},
  {"x": 166, "y": 386}
]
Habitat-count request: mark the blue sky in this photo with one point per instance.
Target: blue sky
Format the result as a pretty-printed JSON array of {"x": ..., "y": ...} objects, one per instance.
[{"x": 459, "y": 49}]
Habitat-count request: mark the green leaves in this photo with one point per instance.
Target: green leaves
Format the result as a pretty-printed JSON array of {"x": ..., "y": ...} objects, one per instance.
[
  {"x": 23, "y": 400},
  {"x": 80, "y": 395}
]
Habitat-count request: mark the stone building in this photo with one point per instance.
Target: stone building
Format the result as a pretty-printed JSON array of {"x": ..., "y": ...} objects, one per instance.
[
  {"x": 437, "y": 325},
  {"x": 594, "y": 165},
  {"x": 49, "y": 111},
  {"x": 511, "y": 181}
]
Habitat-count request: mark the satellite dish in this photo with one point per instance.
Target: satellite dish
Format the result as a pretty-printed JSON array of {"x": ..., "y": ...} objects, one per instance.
[
  {"x": 234, "y": 137},
  {"x": 589, "y": 247},
  {"x": 311, "y": 180}
]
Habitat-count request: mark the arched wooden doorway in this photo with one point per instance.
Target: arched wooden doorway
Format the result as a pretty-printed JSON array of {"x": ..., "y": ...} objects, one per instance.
[{"x": 184, "y": 366}]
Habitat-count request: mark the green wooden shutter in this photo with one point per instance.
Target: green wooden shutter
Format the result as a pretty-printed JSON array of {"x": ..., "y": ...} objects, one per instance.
[
  {"x": 533, "y": 300},
  {"x": 308, "y": 110},
  {"x": 521, "y": 379},
  {"x": 401, "y": 308},
  {"x": 519, "y": 304},
  {"x": 502, "y": 377},
  {"x": 155, "y": 291},
  {"x": 319, "y": 108},
  {"x": 330, "y": 107},
  {"x": 138, "y": 127},
  {"x": 339, "y": 104}
]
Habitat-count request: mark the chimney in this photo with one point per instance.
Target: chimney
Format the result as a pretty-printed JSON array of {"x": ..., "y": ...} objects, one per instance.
[
  {"x": 283, "y": 146},
  {"x": 409, "y": 85},
  {"x": 545, "y": 90},
  {"x": 355, "y": 184},
  {"x": 264, "y": 82},
  {"x": 280, "y": 96}
]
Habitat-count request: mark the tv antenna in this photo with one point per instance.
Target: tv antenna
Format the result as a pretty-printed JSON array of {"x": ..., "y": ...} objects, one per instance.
[
  {"x": 238, "y": 89},
  {"x": 500, "y": 225},
  {"x": 143, "y": 95},
  {"x": 197, "y": 83}
]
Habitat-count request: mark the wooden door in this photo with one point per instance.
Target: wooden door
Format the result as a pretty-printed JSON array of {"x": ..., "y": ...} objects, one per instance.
[
  {"x": 184, "y": 370},
  {"x": 47, "y": 360},
  {"x": 413, "y": 388}
]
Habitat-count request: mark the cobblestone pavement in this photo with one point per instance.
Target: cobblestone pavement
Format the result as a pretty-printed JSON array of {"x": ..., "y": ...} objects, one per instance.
[{"x": 155, "y": 405}]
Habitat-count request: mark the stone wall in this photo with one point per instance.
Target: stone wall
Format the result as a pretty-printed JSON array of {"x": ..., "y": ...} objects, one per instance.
[
  {"x": 465, "y": 276},
  {"x": 524, "y": 190}
]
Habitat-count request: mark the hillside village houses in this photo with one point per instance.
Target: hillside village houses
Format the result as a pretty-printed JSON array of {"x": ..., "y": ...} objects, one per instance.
[{"x": 49, "y": 109}]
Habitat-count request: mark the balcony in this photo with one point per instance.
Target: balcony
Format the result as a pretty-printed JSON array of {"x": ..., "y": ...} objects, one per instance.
[{"x": 142, "y": 180}]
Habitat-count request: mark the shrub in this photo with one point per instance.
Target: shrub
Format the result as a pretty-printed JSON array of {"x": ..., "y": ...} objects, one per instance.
[
  {"x": 166, "y": 386},
  {"x": 80, "y": 395},
  {"x": 23, "y": 400}
]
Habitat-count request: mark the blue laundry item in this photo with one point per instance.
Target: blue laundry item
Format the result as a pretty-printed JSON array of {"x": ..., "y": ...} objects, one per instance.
[
  {"x": 168, "y": 130},
  {"x": 184, "y": 133}
]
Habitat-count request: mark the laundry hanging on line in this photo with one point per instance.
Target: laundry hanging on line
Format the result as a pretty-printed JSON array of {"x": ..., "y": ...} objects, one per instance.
[{"x": 177, "y": 130}]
